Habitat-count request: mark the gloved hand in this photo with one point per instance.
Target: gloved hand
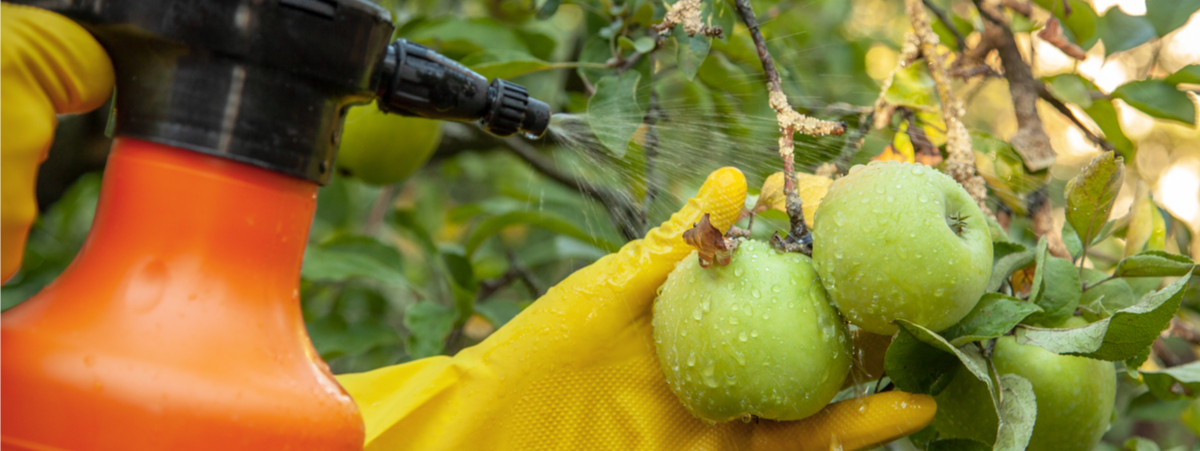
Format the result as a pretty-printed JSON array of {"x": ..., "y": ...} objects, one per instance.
[
  {"x": 48, "y": 65},
  {"x": 577, "y": 370}
]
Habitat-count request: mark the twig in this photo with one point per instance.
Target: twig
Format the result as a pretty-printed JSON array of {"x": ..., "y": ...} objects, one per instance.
[
  {"x": 961, "y": 162},
  {"x": 854, "y": 142},
  {"x": 959, "y": 40},
  {"x": 1181, "y": 329},
  {"x": 1049, "y": 97},
  {"x": 799, "y": 238},
  {"x": 625, "y": 212},
  {"x": 378, "y": 210}
]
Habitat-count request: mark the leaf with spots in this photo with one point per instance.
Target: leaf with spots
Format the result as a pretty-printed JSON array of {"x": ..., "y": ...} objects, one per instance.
[{"x": 1090, "y": 195}]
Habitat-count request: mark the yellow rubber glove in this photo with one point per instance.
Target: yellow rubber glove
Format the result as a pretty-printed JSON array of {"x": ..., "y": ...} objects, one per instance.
[
  {"x": 577, "y": 370},
  {"x": 48, "y": 65}
]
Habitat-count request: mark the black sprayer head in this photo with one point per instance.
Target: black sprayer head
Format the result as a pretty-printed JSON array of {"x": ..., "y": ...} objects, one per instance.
[
  {"x": 416, "y": 81},
  {"x": 269, "y": 82}
]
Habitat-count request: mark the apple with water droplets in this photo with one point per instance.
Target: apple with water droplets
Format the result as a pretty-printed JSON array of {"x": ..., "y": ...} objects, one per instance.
[
  {"x": 756, "y": 337},
  {"x": 895, "y": 240}
]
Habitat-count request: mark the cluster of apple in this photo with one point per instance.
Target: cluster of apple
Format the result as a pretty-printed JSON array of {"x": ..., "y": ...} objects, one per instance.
[{"x": 762, "y": 336}]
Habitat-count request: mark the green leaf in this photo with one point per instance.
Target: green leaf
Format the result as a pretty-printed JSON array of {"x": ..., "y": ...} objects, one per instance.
[
  {"x": 351, "y": 258},
  {"x": 1015, "y": 403},
  {"x": 1133, "y": 363},
  {"x": 595, "y": 52},
  {"x": 546, "y": 220},
  {"x": 1080, "y": 24},
  {"x": 1121, "y": 32},
  {"x": 510, "y": 64},
  {"x": 1189, "y": 74},
  {"x": 1005, "y": 266},
  {"x": 957, "y": 444},
  {"x": 1107, "y": 297},
  {"x": 613, "y": 111},
  {"x": 1167, "y": 15},
  {"x": 428, "y": 324},
  {"x": 1158, "y": 99},
  {"x": 1071, "y": 88},
  {"x": 1056, "y": 288},
  {"x": 1140, "y": 444},
  {"x": 499, "y": 311},
  {"x": 1105, "y": 116},
  {"x": 1118, "y": 337},
  {"x": 548, "y": 9},
  {"x": 993, "y": 316},
  {"x": 690, "y": 51},
  {"x": 1071, "y": 240},
  {"x": 1154, "y": 264},
  {"x": 1090, "y": 194},
  {"x": 1173, "y": 383},
  {"x": 1017, "y": 413},
  {"x": 917, "y": 367},
  {"x": 644, "y": 44}
]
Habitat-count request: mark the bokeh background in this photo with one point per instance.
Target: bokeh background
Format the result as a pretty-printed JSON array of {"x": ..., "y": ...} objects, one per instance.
[{"x": 435, "y": 263}]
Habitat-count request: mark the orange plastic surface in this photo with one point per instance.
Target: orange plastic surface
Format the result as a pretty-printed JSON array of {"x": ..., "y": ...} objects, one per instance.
[{"x": 178, "y": 326}]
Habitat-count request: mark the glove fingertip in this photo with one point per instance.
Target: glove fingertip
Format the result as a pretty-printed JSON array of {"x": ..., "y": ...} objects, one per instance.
[{"x": 722, "y": 196}]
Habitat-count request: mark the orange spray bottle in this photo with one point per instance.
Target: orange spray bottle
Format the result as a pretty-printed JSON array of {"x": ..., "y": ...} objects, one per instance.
[{"x": 178, "y": 325}]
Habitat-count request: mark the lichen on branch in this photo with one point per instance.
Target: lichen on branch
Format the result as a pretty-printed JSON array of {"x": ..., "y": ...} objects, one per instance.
[
  {"x": 686, "y": 13},
  {"x": 799, "y": 238},
  {"x": 961, "y": 162}
]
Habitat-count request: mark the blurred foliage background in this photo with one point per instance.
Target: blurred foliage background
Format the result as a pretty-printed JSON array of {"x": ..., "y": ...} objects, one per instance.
[{"x": 434, "y": 263}]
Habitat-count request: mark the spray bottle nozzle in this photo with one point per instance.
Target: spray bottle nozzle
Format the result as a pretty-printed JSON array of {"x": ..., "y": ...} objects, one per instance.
[{"x": 416, "y": 81}]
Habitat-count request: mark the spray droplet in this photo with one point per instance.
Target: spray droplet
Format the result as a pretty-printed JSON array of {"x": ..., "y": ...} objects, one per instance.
[
  {"x": 742, "y": 336},
  {"x": 698, "y": 315},
  {"x": 691, "y": 361}
]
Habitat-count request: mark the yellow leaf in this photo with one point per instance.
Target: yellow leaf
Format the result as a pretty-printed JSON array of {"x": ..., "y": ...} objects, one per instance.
[
  {"x": 1141, "y": 221},
  {"x": 890, "y": 154},
  {"x": 812, "y": 189}
]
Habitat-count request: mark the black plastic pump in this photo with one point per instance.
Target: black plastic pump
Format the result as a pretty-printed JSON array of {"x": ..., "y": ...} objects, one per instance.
[{"x": 268, "y": 82}]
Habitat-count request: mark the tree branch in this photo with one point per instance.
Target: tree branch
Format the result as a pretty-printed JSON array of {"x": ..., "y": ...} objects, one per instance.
[
  {"x": 1049, "y": 97},
  {"x": 961, "y": 162},
  {"x": 1030, "y": 140},
  {"x": 625, "y": 213},
  {"x": 959, "y": 40},
  {"x": 799, "y": 238}
]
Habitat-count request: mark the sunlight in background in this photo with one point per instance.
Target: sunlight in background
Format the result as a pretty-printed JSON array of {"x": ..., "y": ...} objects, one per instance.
[
  {"x": 1179, "y": 191},
  {"x": 1131, "y": 7}
]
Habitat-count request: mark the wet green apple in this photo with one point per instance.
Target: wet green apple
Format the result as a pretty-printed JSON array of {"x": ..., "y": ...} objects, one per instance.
[
  {"x": 1075, "y": 397},
  {"x": 756, "y": 337},
  {"x": 383, "y": 149},
  {"x": 895, "y": 240}
]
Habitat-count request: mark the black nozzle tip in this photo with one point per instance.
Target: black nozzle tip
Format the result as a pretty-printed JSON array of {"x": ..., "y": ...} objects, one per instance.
[
  {"x": 511, "y": 110},
  {"x": 537, "y": 119}
]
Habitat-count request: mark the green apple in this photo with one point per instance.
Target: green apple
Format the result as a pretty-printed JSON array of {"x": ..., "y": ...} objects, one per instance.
[
  {"x": 1075, "y": 397},
  {"x": 894, "y": 240},
  {"x": 756, "y": 337},
  {"x": 383, "y": 149}
]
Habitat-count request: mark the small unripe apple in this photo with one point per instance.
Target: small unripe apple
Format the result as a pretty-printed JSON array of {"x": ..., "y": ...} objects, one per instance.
[
  {"x": 756, "y": 337},
  {"x": 1075, "y": 397},
  {"x": 382, "y": 149},
  {"x": 894, "y": 240}
]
